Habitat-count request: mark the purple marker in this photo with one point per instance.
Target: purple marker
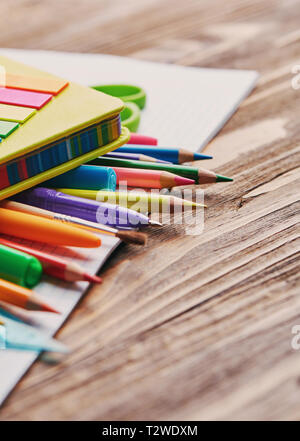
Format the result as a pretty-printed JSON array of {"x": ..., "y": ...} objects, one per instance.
[{"x": 87, "y": 209}]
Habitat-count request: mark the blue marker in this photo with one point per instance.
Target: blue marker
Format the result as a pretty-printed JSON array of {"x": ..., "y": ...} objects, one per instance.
[{"x": 86, "y": 177}]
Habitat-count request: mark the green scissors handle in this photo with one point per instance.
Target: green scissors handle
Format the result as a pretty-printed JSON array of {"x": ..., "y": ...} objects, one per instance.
[{"x": 134, "y": 98}]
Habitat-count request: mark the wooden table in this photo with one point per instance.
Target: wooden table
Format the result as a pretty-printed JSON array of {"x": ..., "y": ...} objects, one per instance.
[{"x": 191, "y": 327}]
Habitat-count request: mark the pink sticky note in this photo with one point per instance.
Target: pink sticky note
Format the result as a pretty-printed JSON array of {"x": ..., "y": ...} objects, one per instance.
[{"x": 24, "y": 98}]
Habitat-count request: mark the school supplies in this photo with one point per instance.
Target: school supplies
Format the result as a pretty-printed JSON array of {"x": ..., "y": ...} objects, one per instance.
[
  {"x": 108, "y": 214},
  {"x": 133, "y": 156},
  {"x": 17, "y": 335},
  {"x": 199, "y": 175},
  {"x": 53, "y": 266},
  {"x": 86, "y": 178},
  {"x": 70, "y": 124},
  {"x": 22, "y": 297},
  {"x": 145, "y": 178},
  {"x": 136, "y": 138},
  {"x": 31, "y": 227},
  {"x": 135, "y": 200},
  {"x": 177, "y": 156},
  {"x": 19, "y": 267},
  {"x": 207, "y": 96},
  {"x": 133, "y": 237},
  {"x": 21, "y": 314}
]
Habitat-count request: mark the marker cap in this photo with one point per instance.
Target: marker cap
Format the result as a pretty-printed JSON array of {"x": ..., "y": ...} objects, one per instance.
[{"x": 20, "y": 268}]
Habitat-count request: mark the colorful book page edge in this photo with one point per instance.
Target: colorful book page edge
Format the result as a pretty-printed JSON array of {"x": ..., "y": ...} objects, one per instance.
[
  {"x": 36, "y": 84},
  {"x": 63, "y": 168},
  {"x": 7, "y": 127},
  {"x": 15, "y": 113},
  {"x": 24, "y": 98}
]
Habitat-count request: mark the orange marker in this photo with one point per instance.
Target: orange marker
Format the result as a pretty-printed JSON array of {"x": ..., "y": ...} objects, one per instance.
[
  {"x": 22, "y": 297},
  {"x": 28, "y": 226}
]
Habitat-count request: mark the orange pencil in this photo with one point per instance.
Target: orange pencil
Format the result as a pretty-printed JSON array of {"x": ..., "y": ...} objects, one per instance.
[
  {"x": 28, "y": 226},
  {"x": 22, "y": 297},
  {"x": 149, "y": 178}
]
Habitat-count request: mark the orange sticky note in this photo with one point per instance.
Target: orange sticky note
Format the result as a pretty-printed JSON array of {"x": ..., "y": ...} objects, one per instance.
[{"x": 36, "y": 84}]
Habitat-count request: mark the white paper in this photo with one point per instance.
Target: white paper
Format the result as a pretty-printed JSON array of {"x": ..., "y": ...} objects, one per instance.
[{"x": 186, "y": 107}]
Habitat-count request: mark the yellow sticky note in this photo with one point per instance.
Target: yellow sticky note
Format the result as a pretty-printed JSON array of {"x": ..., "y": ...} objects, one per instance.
[{"x": 15, "y": 113}]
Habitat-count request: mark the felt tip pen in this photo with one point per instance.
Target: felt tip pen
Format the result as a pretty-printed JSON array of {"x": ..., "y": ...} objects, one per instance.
[{"x": 99, "y": 212}]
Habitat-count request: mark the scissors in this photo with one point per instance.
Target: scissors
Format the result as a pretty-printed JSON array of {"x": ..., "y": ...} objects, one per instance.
[{"x": 134, "y": 98}]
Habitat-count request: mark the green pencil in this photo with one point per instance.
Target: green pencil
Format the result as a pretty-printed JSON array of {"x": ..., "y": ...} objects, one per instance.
[{"x": 200, "y": 175}]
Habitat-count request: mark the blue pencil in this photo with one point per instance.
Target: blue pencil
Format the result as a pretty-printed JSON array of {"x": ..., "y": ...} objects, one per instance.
[{"x": 176, "y": 156}]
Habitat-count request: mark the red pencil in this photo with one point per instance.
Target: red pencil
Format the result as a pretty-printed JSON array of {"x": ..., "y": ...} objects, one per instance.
[
  {"x": 55, "y": 266},
  {"x": 149, "y": 178}
]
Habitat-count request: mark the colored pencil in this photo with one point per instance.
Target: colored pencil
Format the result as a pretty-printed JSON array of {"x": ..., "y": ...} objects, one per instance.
[
  {"x": 148, "y": 178},
  {"x": 146, "y": 202},
  {"x": 22, "y": 297},
  {"x": 134, "y": 157},
  {"x": 128, "y": 236},
  {"x": 176, "y": 156},
  {"x": 31, "y": 227},
  {"x": 18, "y": 313},
  {"x": 54, "y": 266},
  {"x": 200, "y": 175},
  {"x": 136, "y": 138}
]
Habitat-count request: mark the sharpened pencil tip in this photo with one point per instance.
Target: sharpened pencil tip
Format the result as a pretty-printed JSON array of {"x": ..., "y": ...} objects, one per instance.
[
  {"x": 92, "y": 278},
  {"x": 179, "y": 180},
  {"x": 155, "y": 223},
  {"x": 48, "y": 308},
  {"x": 198, "y": 156},
  {"x": 221, "y": 178}
]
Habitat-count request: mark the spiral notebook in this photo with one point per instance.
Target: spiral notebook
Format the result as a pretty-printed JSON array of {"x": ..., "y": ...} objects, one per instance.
[{"x": 199, "y": 100}]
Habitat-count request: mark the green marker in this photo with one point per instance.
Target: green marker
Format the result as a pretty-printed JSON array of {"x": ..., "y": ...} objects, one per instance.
[
  {"x": 19, "y": 267},
  {"x": 200, "y": 175}
]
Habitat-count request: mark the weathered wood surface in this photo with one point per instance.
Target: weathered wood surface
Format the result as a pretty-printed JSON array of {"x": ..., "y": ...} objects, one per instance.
[{"x": 192, "y": 327}]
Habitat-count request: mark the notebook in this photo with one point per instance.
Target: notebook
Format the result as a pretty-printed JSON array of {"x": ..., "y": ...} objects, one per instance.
[
  {"x": 49, "y": 125},
  {"x": 198, "y": 102}
]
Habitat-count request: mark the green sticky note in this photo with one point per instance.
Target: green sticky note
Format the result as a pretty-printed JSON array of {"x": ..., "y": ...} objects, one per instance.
[{"x": 7, "y": 127}]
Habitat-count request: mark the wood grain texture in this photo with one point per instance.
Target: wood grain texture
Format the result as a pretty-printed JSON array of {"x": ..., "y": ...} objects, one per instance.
[{"x": 190, "y": 327}]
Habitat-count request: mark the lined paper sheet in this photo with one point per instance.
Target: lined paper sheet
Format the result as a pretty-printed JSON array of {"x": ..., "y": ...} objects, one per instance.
[{"x": 186, "y": 107}]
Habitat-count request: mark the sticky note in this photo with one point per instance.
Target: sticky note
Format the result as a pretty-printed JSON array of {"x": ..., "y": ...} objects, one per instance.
[
  {"x": 14, "y": 113},
  {"x": 37, "y": 84},
  {"x": 24, "y": 98},
  {"x": 7, "y": 127}
]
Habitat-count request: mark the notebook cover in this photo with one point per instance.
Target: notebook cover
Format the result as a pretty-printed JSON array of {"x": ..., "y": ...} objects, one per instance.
[
  {"x": 62, "y": 168},
  {"x": 74, "y": 108}
]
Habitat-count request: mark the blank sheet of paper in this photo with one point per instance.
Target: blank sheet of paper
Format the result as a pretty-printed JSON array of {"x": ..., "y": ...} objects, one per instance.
[{"x": 186, "y": 107}]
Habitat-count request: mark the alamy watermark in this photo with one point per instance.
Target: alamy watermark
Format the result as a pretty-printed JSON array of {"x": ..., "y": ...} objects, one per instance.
[{"x": 165, "y": 206}]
